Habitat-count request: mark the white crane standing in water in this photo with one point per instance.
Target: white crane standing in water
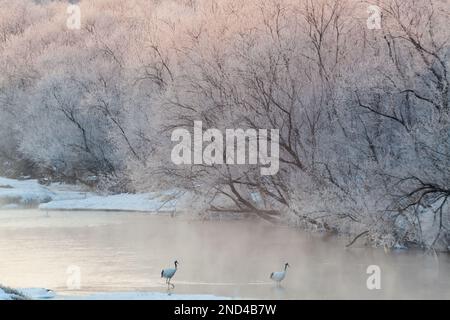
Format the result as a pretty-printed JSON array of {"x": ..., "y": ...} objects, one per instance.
[
  {"x": 169, "y": 273},
  {"x": 279, "y": 275}
]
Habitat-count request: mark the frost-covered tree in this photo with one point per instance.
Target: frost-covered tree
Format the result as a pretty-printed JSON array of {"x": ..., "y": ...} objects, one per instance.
[{"x": 363, "y": 114}]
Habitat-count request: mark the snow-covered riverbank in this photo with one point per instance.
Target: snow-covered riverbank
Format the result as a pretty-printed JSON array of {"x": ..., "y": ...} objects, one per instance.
[
  {"x": 15, "y": 194},
  {"x": 26, "y": 193},
  {"x": 26, "y": 293},
  {"x": 45, "y": 294}
]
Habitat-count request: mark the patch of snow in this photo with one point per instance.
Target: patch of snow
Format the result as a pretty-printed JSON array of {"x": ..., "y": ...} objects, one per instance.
[
  {"x": 15, "y": 194},
  {"x": 4, "y": 295},
  {"x": 42, "y": 294},
  {"x": 398, "y": 246},
  {"x": 37, "y": 293},
  {"x": 148, "y": 296},
  {"x": 32, "y": 293},
  {"x": 144, "y": 202},
  {"x": 63, "y": 191},
  {"x": 26, "y": 193}
]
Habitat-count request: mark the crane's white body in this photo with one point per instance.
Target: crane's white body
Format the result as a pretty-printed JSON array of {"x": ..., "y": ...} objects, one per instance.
[
  {"x": 169, "y": 273},
  {"x": 279, "y": 275}
]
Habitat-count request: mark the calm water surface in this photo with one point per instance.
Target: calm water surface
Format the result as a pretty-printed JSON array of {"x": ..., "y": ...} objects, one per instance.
[{"x": 126, "y": 251}]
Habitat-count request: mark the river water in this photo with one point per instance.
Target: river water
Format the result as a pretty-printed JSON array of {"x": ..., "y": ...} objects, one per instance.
[{"x": 124, "y": 252}]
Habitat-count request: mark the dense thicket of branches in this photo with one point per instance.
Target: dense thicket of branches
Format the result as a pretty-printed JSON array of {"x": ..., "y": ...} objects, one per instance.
[{"x": 363, "y": 114}]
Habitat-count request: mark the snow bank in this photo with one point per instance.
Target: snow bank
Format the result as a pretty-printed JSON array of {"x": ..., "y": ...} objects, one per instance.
[
  {"x": 4, "y": 295},
  {"x": 31, "y": 293},
  {"x": 15, "y": 194},
  {"x": 37, "y": 293},
  {"x": 27, "y": 193},
  {"x": 42, "y": 293},
  {"x": 11, "y": 294},
  {"x": 144, "y": 202}
]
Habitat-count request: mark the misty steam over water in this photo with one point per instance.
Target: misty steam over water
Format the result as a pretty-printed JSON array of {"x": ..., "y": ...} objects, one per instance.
[{"x": 122, "y": 252}]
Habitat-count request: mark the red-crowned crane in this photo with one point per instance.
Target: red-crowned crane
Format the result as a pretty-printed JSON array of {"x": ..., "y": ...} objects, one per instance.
[
  {"x": 279, "y": 275},
  {"x": 169, "y": 273}
]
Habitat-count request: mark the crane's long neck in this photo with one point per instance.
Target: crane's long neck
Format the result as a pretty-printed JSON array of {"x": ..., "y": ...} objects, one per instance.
[{"x": 285, "y": 268}]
